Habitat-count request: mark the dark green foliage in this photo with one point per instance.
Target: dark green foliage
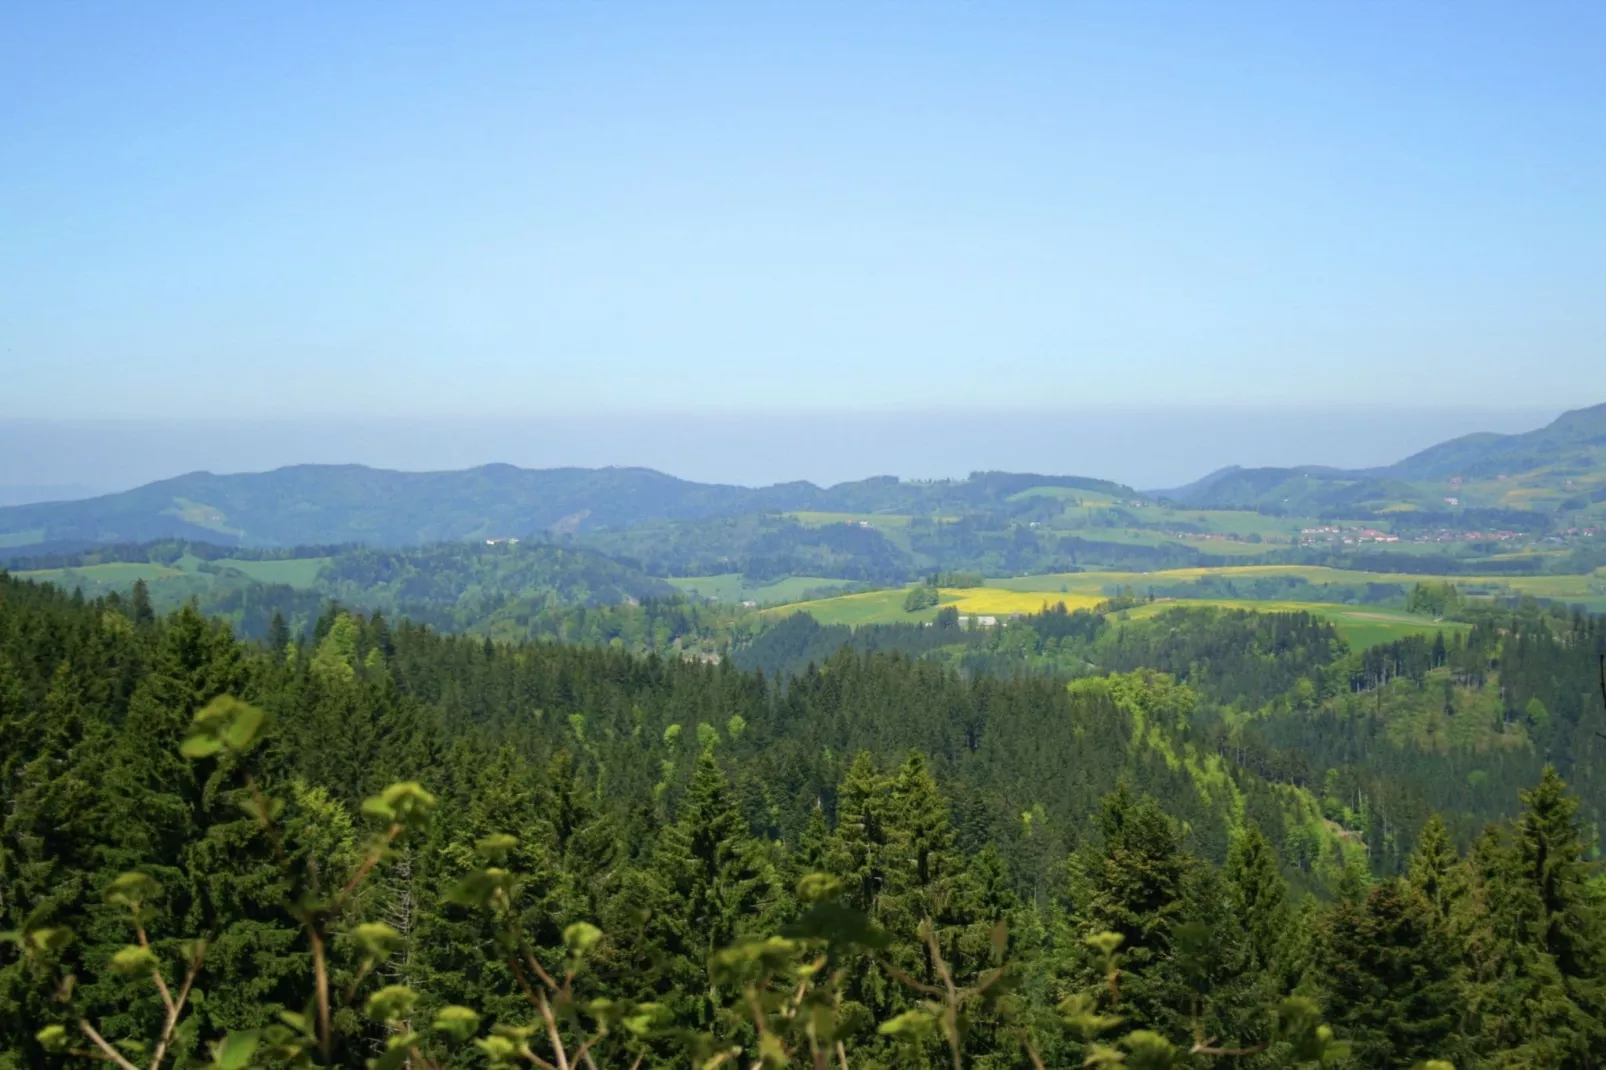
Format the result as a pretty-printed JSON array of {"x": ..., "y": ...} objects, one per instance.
[
  {"x": 1388, "y": 975},
  {"x": 678, "y": 805}
]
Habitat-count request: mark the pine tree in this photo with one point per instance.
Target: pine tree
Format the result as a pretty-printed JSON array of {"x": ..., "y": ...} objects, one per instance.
[
  {"x": 144, "y": 615},
  {"x": 1569, "y": 926},
  {"x": 1136, "y": 889},
  {"x": 1516, "y": 1008},
  {"x": 278, "y": 634},
  {"x": 857, "y": 852},
  {"x": 1435, "y": 870},
  {"x": 1387, "y": 972},
  {"x": 711, "y": 883},
  {"x": 1259, "y": 896}
]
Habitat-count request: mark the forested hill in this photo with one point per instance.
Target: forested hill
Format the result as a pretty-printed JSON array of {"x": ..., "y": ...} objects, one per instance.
[
  {"x": 417, "y": 845},
  {"x": 330, "y": 504},
  {"x": 1567, "y": 457}
]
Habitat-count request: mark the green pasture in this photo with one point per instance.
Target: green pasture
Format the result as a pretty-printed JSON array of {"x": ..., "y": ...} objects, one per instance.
[
  {"x": 1573, "y": 588},
  {"x": 109, "y": 576},
  {"x": 880, "y": 521},
  {"x": 869, "y": 607},
  {"x": 731, "y": 587},
  {"x": 202, "y": 515},
  {"x": 1089, "y": 498},
  {"x": 1361, "y": 626},
  {"x": 299, "y": 572}
]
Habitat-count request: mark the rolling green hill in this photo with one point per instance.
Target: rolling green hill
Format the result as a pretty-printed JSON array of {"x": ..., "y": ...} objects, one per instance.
[
  {"x": 452, "y": 586},
  {"x": 1559, "y": 466},
  {"x": 321, "y": 504}
]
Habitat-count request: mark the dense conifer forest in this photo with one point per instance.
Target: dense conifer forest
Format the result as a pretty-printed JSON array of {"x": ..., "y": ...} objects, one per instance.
[{"x": 383, "y": 843}]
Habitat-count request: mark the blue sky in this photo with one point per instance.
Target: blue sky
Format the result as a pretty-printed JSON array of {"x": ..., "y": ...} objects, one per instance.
[{"x": 457, "y": 211}]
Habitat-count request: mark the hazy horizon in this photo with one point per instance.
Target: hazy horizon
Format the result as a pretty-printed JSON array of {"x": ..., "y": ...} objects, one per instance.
[
  {"x": 1149, "y": 448},
  {"x": 309, "y": 212}
]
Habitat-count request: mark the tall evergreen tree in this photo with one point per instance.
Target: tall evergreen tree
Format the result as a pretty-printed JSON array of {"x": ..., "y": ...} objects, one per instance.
[
  {"x": 1259, "y": 896},
  {"x": 1387, "y": 972},
  {"x": 1435, "y": 870},
  {"x": 711, "y": 883}
]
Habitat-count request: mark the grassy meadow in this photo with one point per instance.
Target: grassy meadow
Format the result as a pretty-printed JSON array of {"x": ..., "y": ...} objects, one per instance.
[
  {"x": 731, "y": 587},
  {"x": 171, "y": 584},
  {"x": 1361, "y": 626}
]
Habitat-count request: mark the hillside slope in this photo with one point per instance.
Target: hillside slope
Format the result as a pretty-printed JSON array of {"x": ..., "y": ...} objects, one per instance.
[
  {"x": 1560, "y": 464},
  {"x": 321, "y": 504}
]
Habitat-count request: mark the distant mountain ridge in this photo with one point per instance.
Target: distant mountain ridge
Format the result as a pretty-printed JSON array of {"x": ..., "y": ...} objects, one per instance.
[
  {"x": 1571, "y": 449},
  {"x": 1563, "y": 463},
  {"x": 324, "y": 504}
]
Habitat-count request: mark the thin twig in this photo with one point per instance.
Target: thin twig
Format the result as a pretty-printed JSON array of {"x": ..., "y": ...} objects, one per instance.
[
  {"x": 535, "y": 965},
  {"x": 177, "y": 1007},
  {"x": 841, "y": 1055},
  {"x": 426, "y": 1060},
  {"x": 904, "y": 978},
  {"x": 156, "y": 972},
  {"x": 552, "y": 1032},
  {"x": 1205, "y": 1049},
  {"x": 951, "y": 1000},
  {"x": 367, "y": 865},
  {"x": 1031, "y": 1053},
  {"x": 100, "y": 1042},
  {"x": 584, "y": 1054},
  {"x": 265, "y": 818},
  {"x": 321, "y": 973}
]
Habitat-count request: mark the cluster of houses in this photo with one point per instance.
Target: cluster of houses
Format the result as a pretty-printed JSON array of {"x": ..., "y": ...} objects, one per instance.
[
  {"x": 1349, "y": 536},
  {"x": 981, "y": 620}
]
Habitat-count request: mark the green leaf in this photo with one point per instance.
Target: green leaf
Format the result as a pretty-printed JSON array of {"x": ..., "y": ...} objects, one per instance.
[
  {"x": 199, "y": 745},
  {"x": 1147, "y": 1050},
  {"x": 500, "y": 1050},
  {"x": 397, "y": 1050},
  {"x": 375, "y": 938},
  {"x": 818, "y": 887},
  {"x": 50, "y": 940},
  {"x": 459, "y": 1023},
  {"x": 407, "y": 802},
  {"x": 299, "y": 1022},
  {"x": 581, "y": 937},
  {"x": 131, "y": 890},
  {"x": 133, "y": 959},
  {"x": 235, "y": 1052},
  {"x": 244, "y": 727},
  {"x": 53, "y": 1038},
  {"x": 391, "y": 1003},
  {"x": 495, "y": 848},
  {"x": 912, "y": 1026},
  {"x": 476, "y": 889},
  {"x": 374, "y": 806}
]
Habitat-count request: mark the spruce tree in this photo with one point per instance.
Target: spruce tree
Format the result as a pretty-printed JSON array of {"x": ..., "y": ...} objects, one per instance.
[
  {"x": 711, "y": 883},
  {"x": 278, "y": 634},
  {"x": 1259, "y": 896},
  {"x": 1387, "y": 974},
  {"x": 144, "y": 615},
  {"x": 1435, "y": 868}
]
